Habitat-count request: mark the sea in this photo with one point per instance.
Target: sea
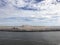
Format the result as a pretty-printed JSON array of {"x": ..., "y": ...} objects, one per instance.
[{"x": 30, "y": 38}]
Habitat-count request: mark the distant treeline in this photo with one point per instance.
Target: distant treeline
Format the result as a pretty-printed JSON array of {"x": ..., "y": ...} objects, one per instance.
[{"x": 10, "y": 30}]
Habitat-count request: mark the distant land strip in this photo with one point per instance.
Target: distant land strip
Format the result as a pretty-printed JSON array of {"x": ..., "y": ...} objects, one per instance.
[
  {"x": 29, "y": 31},
  {"x": 28, "y": 28}
]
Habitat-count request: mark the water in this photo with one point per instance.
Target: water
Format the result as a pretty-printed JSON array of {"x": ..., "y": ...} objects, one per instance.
[{"x": 29, "y": 38}]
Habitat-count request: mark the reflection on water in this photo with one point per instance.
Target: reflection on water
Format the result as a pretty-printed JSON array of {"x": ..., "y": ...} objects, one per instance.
[{"x": 29, "y": 38}]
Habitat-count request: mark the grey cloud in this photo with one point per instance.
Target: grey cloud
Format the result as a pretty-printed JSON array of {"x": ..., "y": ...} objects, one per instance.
[{"x": 3, "y": 3}]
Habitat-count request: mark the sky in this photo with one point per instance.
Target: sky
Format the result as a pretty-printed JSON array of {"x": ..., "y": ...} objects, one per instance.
[{"x": 30, "y": 12}]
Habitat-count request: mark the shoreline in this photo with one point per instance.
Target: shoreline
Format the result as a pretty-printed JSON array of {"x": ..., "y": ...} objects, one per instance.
[{"x": 29, "y": 28}]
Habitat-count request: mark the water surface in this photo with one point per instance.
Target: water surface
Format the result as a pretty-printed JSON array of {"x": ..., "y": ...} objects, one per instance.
[{"x": 30, "y": 38}]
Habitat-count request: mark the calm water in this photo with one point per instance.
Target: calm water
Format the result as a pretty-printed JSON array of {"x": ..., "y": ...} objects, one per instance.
[{"x": 29, "y": 38}]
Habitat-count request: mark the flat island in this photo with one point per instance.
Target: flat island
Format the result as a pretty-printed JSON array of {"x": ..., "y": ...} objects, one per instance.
[{"x": 28, "y": 28}]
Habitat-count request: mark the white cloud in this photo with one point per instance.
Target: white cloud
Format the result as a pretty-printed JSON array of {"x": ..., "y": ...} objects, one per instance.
[{"x": 46, "y": 13}]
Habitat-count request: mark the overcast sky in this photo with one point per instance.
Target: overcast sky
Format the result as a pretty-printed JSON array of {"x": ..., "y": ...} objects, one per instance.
[{"x": 30, "y": 12}]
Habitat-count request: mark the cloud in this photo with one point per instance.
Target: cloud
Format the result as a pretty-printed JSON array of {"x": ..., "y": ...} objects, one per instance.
[{"x": 46, "y": 12}]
